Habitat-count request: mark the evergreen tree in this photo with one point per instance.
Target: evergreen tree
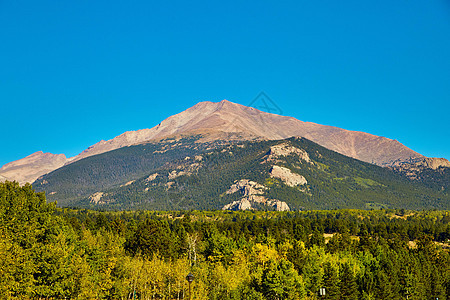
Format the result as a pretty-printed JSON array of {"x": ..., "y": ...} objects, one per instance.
[
  {"x": 316, "y": 238},
  {"x": 384, "y": 287},
  {"x": 348, "y": 286},
  {"x": 331, "y": 282},
  {"x": 280, "y": 281}
]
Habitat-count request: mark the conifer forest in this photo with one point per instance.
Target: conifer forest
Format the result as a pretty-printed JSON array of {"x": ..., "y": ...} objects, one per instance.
[{"x": 60, "y": 253}]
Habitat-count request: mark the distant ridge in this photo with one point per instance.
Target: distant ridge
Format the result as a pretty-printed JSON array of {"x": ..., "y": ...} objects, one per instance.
[
  {"x": 28, "y": 169},
  {"x": 226, "y": 120}
]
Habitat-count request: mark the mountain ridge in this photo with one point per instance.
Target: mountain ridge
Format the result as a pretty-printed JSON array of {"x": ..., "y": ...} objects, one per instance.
[
  {"x": 227, "y": 120},
  {"x": 293, "y": 173},
  {"x": 29, "y": 168},
  {"x": 225, "y": 117}
]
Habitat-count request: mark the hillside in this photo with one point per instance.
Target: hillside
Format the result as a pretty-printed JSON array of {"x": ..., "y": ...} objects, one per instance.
[
  {"x": 229, "y": 121},
  {"x": 291, "y": 174},
  {"x": 81, "y": 178},
  {"x": 432, "y": 172},
  {"x": 31, "y": 167}
]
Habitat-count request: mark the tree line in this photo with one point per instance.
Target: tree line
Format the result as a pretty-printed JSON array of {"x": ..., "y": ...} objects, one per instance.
[{"x": 52, "y": 253}]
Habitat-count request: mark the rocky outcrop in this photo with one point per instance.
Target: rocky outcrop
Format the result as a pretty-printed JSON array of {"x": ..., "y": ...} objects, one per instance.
[
  {"x": 252, "y": 195},
  {"x": 432, "y": 163},
  {"x": 248, "y": 203},
  {"x": 96, "y": 198},
  {"x": 151, "y": 177},
  {"x": 247, "y": 188},
  {"x": 188, "y": 167},
  {"x": 243, "y": 204},
  {"x": 30, "y": 168},
  {"x": 287, "y": 176},
  {"x": 279, "y": 205},
  {"x": 127, "y": 183},
  {"x": 286, "y": 149},
  {"x": 174, "y": 174},
  {"x": 414, "y": 167}
]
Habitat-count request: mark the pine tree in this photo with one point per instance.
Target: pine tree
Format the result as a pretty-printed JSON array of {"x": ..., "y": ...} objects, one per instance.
[
  {"x": 330, "y": 282},
  {"x": 280, "y": 281},
  {"x": 348, "y": 286},
  {"x": 384, "y": 287}
]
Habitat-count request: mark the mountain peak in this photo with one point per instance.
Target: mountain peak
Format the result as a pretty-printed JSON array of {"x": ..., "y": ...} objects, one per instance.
[
  {"x": 220, "y": 120},
  {"x": 226, "y": 120},
  {"x": 29, "y": 168},
  {"x": 213, "y": 106}
]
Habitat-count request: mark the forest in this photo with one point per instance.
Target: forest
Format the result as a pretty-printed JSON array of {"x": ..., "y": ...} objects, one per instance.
[
  {"x": 141, "y": 177},
  {"x": 60, "y": 253}
]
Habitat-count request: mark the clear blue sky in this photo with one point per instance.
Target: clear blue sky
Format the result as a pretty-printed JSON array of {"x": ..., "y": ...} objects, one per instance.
[{"x": 75, "y": 72}]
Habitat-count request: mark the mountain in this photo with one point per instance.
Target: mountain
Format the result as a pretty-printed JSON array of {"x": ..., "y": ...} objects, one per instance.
[
  {"x": 183, "y": 173},
  {"x": 28, "y": 169},
  {"x": 81, "y": 178},
  {"x": 230, "y": 121},
  {"x": 227, "y": 120}
]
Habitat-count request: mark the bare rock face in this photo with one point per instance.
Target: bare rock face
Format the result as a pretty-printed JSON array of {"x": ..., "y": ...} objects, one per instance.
[
  {"x": 152, "y": 177},
  {"x": 243, "y": 204},
  {"x": 285, "y": 149},
  {"x": 287, "y": 176},
  {"x": 432, "y": 163},
  {"x": 174, "y": 174},
  {"x": 246, "y": 203},
  {"x": 279, "y": 205},
  {"x": 247, "y": 188},
  {"x": 127, "y": 183},
  {"x": 30, "y": 168},
  {"x": 252, "y": 194},
  {"x": 97, "y": 198}
]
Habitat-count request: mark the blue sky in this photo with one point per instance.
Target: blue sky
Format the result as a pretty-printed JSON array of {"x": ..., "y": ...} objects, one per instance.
[{"x": 75, "y": 72}]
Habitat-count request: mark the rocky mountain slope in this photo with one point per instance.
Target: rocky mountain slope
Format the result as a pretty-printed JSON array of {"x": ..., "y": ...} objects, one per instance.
[
  {"x": 115, "y": 168},
  {"x": 411, "y": 167},
  {"x": 433, "y": 172},
  {"x": 288, "y": 174},
  {"x": 28, "y": 169},
  {"x": 230, "y": 121},
  {"x": 227, "y": 120}
]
